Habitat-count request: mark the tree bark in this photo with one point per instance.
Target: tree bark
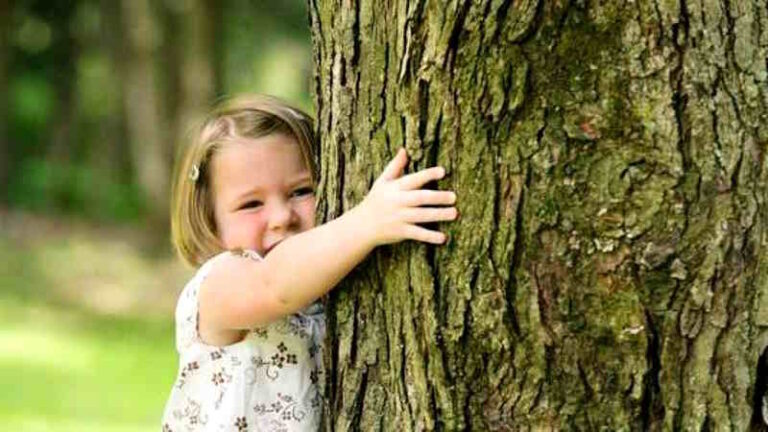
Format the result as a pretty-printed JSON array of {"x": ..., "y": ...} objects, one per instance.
[{"x": 610, "y": 267}]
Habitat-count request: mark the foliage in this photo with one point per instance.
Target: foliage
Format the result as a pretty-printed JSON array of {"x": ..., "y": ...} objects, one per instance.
[
  {"x": 68, "y": 136},
  {"x": 42, "y": 185}
]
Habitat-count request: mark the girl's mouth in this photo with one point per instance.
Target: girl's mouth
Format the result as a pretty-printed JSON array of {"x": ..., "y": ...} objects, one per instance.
[{"x": 272, "y": 246}]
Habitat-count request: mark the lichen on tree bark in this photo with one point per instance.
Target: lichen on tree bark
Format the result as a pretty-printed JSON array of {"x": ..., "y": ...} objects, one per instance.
[{"x": 609, "y": 270}]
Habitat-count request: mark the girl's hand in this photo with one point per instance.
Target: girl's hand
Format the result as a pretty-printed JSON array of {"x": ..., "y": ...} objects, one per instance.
[{"x": 394, "y": 206}]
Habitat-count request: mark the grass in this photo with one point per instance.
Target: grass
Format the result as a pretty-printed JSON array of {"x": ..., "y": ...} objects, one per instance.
[{"x": 86, "y": 327}]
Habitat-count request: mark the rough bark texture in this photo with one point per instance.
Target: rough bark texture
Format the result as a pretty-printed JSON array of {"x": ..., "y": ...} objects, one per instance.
[{"x": 610, "y": 268}]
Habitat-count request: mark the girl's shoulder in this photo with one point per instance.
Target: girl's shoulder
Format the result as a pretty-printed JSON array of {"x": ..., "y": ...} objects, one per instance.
[
  {"x": 205, "y": 268},
  {"x": 187, "y": 305}
]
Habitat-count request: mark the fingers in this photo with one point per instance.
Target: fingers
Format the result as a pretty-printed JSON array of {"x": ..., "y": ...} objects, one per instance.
[
  {"x": 415, "y": 232},
  {"x": 395, "y": 167},
  {"x": 430, "y": 214},
  {"x": 420, "y": 178},
  {"x": 424, "y": 197}
]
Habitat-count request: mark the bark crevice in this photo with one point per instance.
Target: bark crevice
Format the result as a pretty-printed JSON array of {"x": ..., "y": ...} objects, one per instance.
[{"x": 759, "y": 421}]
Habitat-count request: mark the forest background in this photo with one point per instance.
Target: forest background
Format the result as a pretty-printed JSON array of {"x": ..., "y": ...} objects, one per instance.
[{"x": 97, "y": 95}]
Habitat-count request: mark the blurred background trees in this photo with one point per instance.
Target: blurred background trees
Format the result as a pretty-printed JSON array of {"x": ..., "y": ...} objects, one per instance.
[{"x": 98, "y": 94}]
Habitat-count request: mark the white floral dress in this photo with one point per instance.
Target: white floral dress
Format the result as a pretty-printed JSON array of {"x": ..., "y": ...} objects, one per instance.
[{"x": 269, "y": 381}]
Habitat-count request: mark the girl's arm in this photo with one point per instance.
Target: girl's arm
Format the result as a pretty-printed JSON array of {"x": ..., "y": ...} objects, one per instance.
[{"x": 241, "y": 293}]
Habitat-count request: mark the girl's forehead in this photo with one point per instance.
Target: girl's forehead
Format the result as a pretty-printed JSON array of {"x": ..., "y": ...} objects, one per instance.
[
  {"x": 267, "y": 151},
  {"x": 272, "y": 161}
]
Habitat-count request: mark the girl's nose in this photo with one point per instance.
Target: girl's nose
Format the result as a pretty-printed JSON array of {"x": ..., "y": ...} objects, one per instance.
[{"x": 280, "y": 216}]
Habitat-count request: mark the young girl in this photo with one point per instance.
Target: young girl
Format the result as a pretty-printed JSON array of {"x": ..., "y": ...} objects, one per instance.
[{"x": 249, "y": 324}]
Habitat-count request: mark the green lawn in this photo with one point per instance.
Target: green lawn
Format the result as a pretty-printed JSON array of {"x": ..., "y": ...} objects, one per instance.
[{"x": 84, "y": 362}]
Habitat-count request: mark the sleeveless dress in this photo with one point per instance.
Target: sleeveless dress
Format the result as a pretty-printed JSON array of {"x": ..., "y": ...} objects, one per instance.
[{"x": 269, "y": 381}]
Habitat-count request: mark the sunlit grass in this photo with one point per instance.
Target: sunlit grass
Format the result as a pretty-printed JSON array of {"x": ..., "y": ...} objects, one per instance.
[
  {"x": 65, "y": 365},
  {"x": 59, "y": 368},
  {"x": 84, "y": 425}
]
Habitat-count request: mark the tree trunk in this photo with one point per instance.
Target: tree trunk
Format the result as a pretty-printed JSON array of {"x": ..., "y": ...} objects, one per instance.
[
  {"x": 610, "y": 267},
  {"x": 64, "y": 53},
  {"x": 145, "y": 116},
  {"x": 194, "y": 67},
  {"x": 114, "y": 153},
  {"x": 6, "y": 6}
]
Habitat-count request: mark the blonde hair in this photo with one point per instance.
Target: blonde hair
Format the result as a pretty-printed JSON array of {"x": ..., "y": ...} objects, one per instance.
[{"x": 193, "y": 226}]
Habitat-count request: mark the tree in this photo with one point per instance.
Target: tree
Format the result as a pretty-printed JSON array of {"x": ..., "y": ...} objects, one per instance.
[
  {"x": 191, "y": 75},
  {"x": 609, "y": 270},
  {"x": 144, "y": 112},
  {"x": 5, "y": 15}
]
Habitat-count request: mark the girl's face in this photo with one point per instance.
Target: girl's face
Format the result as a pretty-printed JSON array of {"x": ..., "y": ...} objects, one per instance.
[{"x": 262, "y": 192}]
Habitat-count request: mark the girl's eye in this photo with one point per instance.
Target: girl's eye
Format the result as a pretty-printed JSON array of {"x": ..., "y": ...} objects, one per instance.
[
  {"x": 251, "y": 204},
  {"x": 303, "y": 191}
]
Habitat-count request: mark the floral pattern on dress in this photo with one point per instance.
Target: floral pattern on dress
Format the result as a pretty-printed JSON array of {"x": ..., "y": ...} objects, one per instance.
[
  {"x": 191, "y": 415},
  {"x": 277, "y": 361},
  {"x": 270, "y": 381},
  {"x": 260, "y": 332},
  {"x": 241, "y": 424},
  {"x": 285, "y": 407},
  {"x": 298, "y": 325}
]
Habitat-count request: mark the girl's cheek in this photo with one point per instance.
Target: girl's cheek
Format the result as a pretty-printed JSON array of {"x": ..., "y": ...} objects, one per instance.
[
  {"x": 250, "y": 224},
  {"x": 253, "y": 228},
  {"x": 308, "y": 213},
  {"x": 257, "y": 221}
]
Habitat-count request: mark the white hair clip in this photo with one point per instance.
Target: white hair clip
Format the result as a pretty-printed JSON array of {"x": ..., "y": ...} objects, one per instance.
[{"x": 194, "y": 173}]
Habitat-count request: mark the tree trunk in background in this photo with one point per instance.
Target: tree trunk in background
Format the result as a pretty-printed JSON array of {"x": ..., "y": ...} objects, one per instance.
[
  {"x": 114, "y": 148},
  {"x": 149, "y": 140},
  {"x": 610, "y": 267},
  {"x": 65, "y": 51},
  {"x": 5, "y": 51},
  {"x": 195, "y": 69}
]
